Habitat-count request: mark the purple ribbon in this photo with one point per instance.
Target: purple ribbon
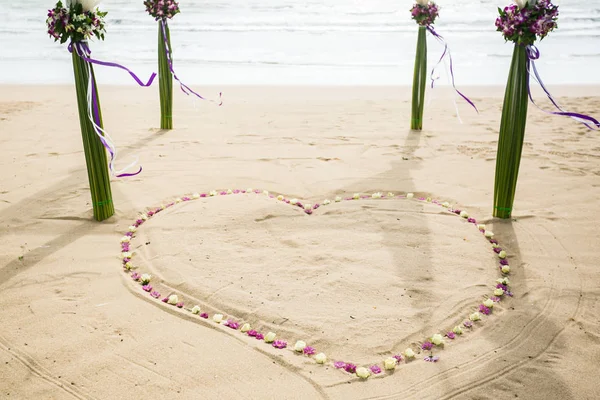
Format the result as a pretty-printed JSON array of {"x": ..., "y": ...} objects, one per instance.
[
  {"x": 184, "y": 88},
  {"x": 82, "y": 49},
  {"x": 447, "y": 51},
  {"x": 533, "y": 54}
]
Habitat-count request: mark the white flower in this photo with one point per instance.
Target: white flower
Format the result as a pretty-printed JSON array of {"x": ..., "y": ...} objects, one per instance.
[
  {"x": 362, "y": 372},
  {"x": 245, "y": 328},
  {"x": 389, "y": 363},
  {"x": 178, "y": 200},
  {"x": 409, "y": 353},
  {"x": 266, "y": 192},
  {"x": 489, "y": 303},
  {"x": 356, "y": 196},
  {"x": 489, "y": 234},
  {"x": 445, "y": 204},
  {"x": 196, "y": 310},
  {"x": 270, "y": 337},
  {"x": 464, "y": 214},
  {"x": 481, "y": 226},
  {"x": 390, "y": 194},
  {"x": 280, "y": 198},
  {"x": 143, "y": 217},
  {"x": 321, "y": 358},
  {"x": 249, "y": 190},
  {"x": 294, "y": 202},
  {"x": 504, "y": 281},
  {"x": 422, "y": 2},
  {"x": 88, "y": 5},
  {"x": 377, "y": 195},
  {"x": 125, "y": 239},
  {"x": 502, "y": 254},
  {"x": 223, "y": 322},
  {"x": 307, "y": 206},
  {"x": 145, "y": 279},
  {"x": 475, "y": 316},
  {"x": 505, "y": 269},
  {"x": 458, "y": 330},
  {"x": 338, "y": 199},
  {"x": 128, "y": 265},
  {"x": 212, "y": 193},
  {"x": 126, "y": 254},
  {"x": 173, "y": 299},
  {"x": 218, "y": 318},
  {"x": 132, "y": 228},
  {"x": 299, "y": 346},
  {"x": 523, "y": 3},
  {"x": 196, "y": 196},
  {"x": 437, "y": 339},
  {"x": 326, "y": 202},
  {"x": 428, "y": 199},
  {"x": 498, "y": 292},
  {"x": 410, "y": 195},
  {"x": 495, "y": 245},
  {"x": 229, "y": 191}
]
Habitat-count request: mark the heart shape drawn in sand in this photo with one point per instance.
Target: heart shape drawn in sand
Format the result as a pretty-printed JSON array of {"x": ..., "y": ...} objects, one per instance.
[{"x": 354, "y": 267}]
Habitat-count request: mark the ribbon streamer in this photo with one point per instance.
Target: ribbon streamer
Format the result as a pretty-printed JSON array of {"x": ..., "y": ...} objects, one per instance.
[
  {"x": 447, "y": 51},
  {"x": 184, "y": 88},
  {"x": 83, "y": 51},
  {"x": 533, "y": 54}
]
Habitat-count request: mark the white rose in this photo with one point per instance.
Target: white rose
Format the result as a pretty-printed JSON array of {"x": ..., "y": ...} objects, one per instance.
[
  {"x": 498, "y": 292},
  {"x": 143, "y": 217},
  {"x": 145, "y": 279},
  {"x": 475, "y": 316},
  {"x": 362, "y": 372},
  {"x": 126, "y": 254},
  {"x": 409, "y": 353},
  {"x": 125, "y": 239},
  {"x": 428, "y": 199},
  {"x": 356, "y": 196},
  {"x": 212, "y": 193},
  {"x": 321, "y": 358},
  {"x": 173, "y": 299},
  {"x": 410, "y": 195},
  {"x": 229, "y": 191},
  {"x": 87, "y": 5},
  {"x": 294, "y": 201},
  {"x": 481, "y": 226},
  {"x": 389, "y": 363},
  {"x": 196, "y": 196},
  {"x": 266, "y": 192},
  {"x": 422, "y": 2},
  {"x": 464, "y": 214},
  {"x": 307, "y": 206},
  {"x": 327, "y": 201},
  {"x": 132, "y": 228},
  {"x": 445, "y": 204},
  {"x": 458, "y": 330},
  {"x": 390, "y": 194},
  {"x": 489, "y": 234},
  {"x": 376, "y": 195},
  {"x": 299, "y": 346},
  {"x": 128, "y": 265},
  {"x": 502, "y": 254},
  {"x": 338, "y": 199},
  {"x": 523, "y": 3},
  {"x": 437, "y": 339},
  {"x": 495, "y": 245},
  {"x": 280, "y": 197},
  {"x": 178, "y": 200},
  {"x": 196, "y": 310},
  {"x": 245, "y": 328},
  {"x": 504, "y": 281},
  {"x": 505, "y": 269},
  {"x": 218, "y": 318},
  {"x": 489, "y": 303},
  {"x": 270, "y": 337},
  {"x": 249, "y": 190}
]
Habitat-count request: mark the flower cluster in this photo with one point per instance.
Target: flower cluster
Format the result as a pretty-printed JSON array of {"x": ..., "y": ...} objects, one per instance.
[
  {"x": 522, "y": 23},
  {"x": 424, "y": 12},
  {"x": 75, "y": 22},
  {"x": 162, "y": 9},
  {"x": 300, "y": 347}
]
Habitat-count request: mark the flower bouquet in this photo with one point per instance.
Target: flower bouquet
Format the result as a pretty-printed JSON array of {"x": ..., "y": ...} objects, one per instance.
[
  {"x": 76, "y": 22},
  {"x": 424, "y": 12},
  {"x": 521, "y": 23}
]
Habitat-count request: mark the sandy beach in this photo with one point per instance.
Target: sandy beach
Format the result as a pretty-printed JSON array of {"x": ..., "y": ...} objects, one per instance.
[{"x": 359, "y": 280}]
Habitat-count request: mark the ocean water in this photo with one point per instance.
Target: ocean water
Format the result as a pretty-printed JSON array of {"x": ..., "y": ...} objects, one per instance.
[{"x": 337, "y": 42}]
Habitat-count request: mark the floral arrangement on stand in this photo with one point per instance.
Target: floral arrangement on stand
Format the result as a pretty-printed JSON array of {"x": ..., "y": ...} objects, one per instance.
[
  {"x": 77, "y": 22},
  {"x": 424, "y": 13},
  {"x": 522, "y": 23},
  {"x": 162, "y": 11},
  {"x": 430, "y": 344}
]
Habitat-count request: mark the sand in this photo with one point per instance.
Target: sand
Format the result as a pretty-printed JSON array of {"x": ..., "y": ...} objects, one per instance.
[{"x": 75, "y": 326}]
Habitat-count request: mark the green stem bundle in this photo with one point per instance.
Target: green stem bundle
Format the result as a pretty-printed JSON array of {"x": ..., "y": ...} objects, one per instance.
[
  {"x": 165, "y": 78},
  {"x": 95, "y": 153},
  {"x": 512, "y": 133},
  {"x": 419, "y": 80}
]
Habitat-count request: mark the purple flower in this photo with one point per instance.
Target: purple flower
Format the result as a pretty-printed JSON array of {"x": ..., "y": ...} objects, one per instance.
[
  {"x": 147, "y": 288},
  {"x": 398, "y": 358},
  {"x": 495, "y": 299},
  {"x": 351, "y": 368},
  {"x": 135, "y": 276},
  {"x": 280, "y": 344},
  {"x": 497, "y": 250},
  {"x": 339, "y": 364},
  {"x": 493, "y": 241},
  {"x": 180, "y": 304},
  {"x": 450, "y": 335},
  {"x": 427, "y": 346},
  {"x": 472, "y": 220},
  {"x": 155, "y": 294},
  {"x": 504, "y": 261},
  {"x": 252, "y": 333},
  {"x": 501, "y": 286},
  {"x": 468, "y": 324},
  {"x": 259, "y": 336},
  {"x": 204, "y": 315},
  {"x": 232, "y": 324},
  {"x": 431, "y": 358},
  {"x": 309, "y": 211},
  {"x": 309, "y": 350},
  {"x": 484, "y": 310},
  {"x": 375, "y": 369},
  {"x": 164, "y": 300}
]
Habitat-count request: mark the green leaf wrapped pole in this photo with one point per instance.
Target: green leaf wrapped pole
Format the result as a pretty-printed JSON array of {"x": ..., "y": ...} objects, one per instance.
[
  {"x": 95, "y": 153},
  {"x": 165, "y": 78},
  {"x": 419, "y": 80}
]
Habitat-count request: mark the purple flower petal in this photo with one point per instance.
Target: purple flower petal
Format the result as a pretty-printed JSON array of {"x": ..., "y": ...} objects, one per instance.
[
  {"x": 339, "y": 364},
  {"x": 309, "y": 350},
  {"x": 350, "y": 368},
  {"x": 375, "y": 369}
]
